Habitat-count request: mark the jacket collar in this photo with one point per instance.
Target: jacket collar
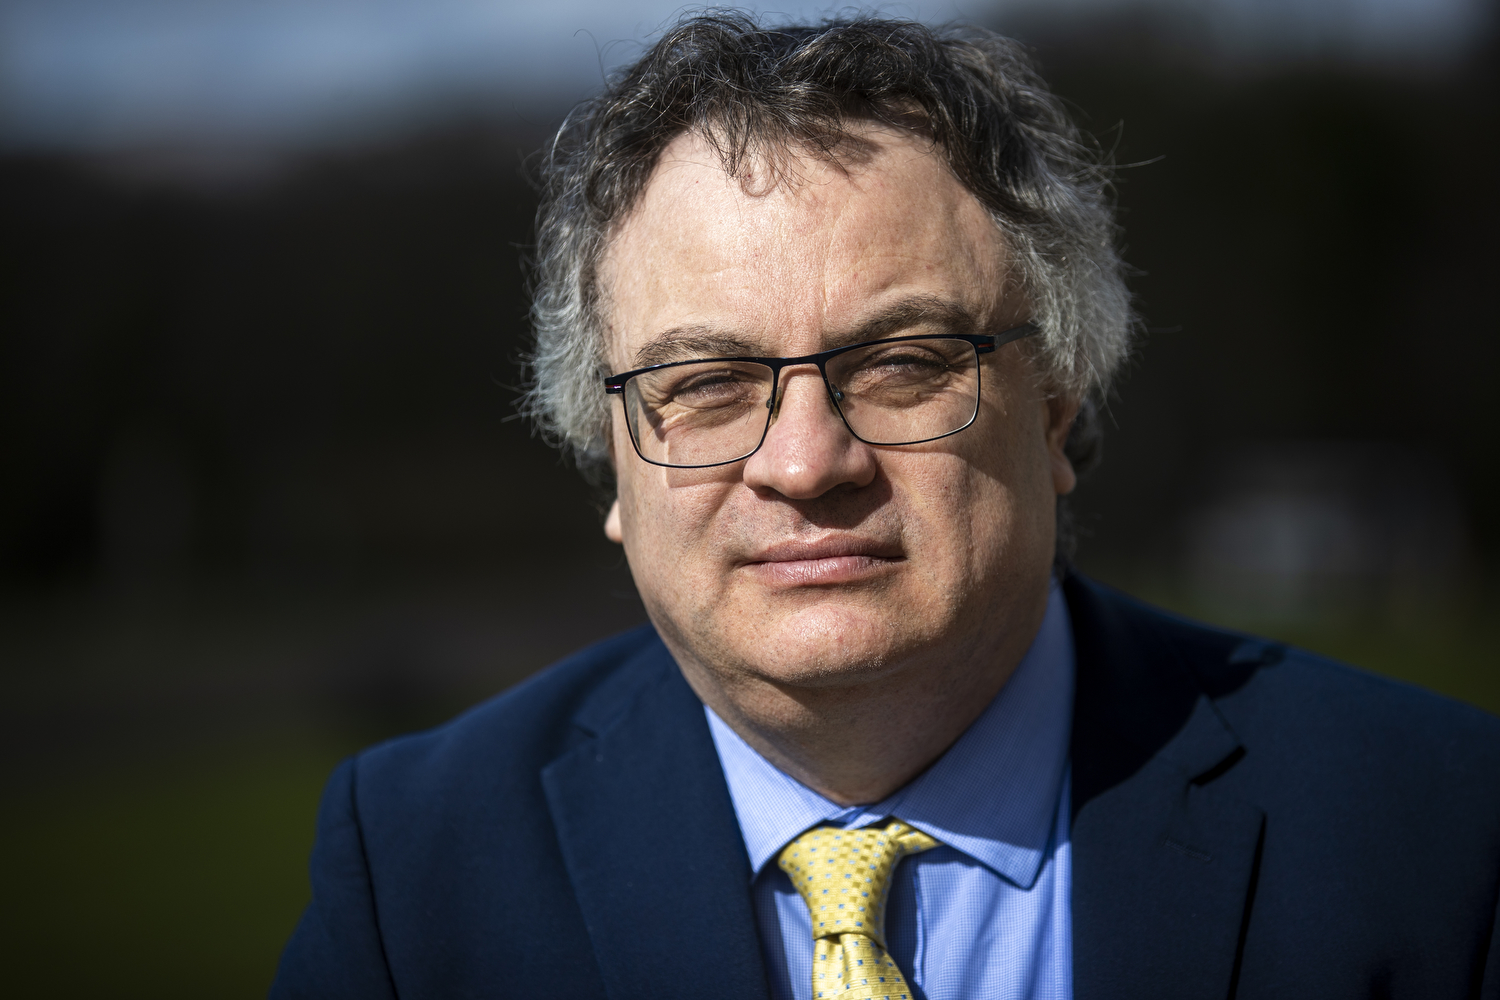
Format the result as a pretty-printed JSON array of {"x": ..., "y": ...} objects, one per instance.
[
  {"x": 651, "y": 843},
  {"x": 1164, "y": 861}
]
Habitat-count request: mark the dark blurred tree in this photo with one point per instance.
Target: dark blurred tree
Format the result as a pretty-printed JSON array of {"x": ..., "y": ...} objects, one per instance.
[{"x": 305, "y": 377}]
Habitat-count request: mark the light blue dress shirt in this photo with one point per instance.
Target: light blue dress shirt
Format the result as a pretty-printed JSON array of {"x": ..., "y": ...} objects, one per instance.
[{"x": 987, "y": 914}]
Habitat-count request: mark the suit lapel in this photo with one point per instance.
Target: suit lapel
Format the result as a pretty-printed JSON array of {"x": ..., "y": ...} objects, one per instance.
[
  {"x": 654, "y": 851},
  {"x": 1164, "y": 861}
]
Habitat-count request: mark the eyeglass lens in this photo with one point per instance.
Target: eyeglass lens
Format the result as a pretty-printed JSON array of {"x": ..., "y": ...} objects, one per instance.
[{"x": 714, "y": 412}]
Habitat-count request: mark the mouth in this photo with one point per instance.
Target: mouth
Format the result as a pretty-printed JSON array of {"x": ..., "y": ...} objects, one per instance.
[{"x": 828, "y": 561}]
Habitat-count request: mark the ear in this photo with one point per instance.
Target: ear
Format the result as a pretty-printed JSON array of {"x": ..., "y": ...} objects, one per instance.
[
  {"x": 1060, "y": 413},
  {"x": 612, "y": 529}
]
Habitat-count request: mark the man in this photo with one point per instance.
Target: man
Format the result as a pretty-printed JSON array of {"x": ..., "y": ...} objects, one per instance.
[{"x": 854, "y": 288}]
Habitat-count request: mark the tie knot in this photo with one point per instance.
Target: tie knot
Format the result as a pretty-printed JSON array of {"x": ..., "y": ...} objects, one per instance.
[{"x": 844, "y": 875}]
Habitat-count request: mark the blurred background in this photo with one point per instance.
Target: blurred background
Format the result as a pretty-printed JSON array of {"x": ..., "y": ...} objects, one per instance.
[{"x": 264, "y": 499}]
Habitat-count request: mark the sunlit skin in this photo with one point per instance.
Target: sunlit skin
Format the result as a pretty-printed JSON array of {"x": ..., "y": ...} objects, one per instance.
[{"x": 849, "y": 610}]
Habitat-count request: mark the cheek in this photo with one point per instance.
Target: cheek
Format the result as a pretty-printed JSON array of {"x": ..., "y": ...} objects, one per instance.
[
  {"x": 953, "y": 514},
  {"x": 669, "y": 528},
  {"x": 1007, "y": 497}
]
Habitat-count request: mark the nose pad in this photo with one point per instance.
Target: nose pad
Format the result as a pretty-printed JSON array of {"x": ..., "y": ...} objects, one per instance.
[{"x": 835, "y": 396}]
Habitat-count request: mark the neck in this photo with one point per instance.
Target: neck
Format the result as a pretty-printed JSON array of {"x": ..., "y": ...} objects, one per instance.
[{"x": 856, "y": 744}]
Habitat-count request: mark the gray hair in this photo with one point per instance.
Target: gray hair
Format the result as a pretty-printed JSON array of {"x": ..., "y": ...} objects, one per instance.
[{"x": 748, "y": 87}]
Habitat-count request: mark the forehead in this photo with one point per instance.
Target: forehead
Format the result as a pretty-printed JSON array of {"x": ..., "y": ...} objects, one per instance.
[{"x": 793, "y": 254}]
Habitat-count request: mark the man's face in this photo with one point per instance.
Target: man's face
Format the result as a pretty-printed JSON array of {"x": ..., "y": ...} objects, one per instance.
[{"x": 821, "y": 561}]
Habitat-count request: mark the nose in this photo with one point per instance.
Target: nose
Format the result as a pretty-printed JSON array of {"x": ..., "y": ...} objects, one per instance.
[{"x": 808, "y": 450}]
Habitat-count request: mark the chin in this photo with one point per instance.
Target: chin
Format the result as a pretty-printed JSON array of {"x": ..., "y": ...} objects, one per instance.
[{"x": 827, "y": 646}]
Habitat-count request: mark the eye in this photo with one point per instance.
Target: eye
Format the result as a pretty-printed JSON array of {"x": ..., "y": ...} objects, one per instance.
[
  {"x": 907, "y": 357},
  {"x": 702, "y": 387},
  {"x": 904, "y": 363},
  {"x": 711, "y": 390}
]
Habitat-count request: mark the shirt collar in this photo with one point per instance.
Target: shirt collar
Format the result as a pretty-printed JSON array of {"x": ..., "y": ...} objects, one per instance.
[{"x": 992, "y": 795}]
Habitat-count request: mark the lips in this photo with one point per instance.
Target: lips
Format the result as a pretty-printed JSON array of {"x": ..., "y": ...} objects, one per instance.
[{"x": 832, "y": 560}]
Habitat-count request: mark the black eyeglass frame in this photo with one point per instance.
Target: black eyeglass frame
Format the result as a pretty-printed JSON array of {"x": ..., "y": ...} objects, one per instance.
[{"x": 984, "y": 343}]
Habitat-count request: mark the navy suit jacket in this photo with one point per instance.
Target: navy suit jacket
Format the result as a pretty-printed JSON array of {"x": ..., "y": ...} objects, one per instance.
[{"x": 1248, "y": 821}]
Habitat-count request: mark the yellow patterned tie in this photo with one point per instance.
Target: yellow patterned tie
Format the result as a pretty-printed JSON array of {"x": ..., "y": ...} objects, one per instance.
[{"x": 844, "y": 877}]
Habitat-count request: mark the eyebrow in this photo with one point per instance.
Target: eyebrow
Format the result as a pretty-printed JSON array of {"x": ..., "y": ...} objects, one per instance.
[
  {"x": 688, "y": 342},
  {"x": 684, "y": 343},
  {"x": 914, "y": 310}
]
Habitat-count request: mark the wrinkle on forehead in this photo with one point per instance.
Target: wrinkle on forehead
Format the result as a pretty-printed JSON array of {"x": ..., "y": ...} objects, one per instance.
[
  {"x": 699, "y": 248},
  {"x": 912, "y": 312}
]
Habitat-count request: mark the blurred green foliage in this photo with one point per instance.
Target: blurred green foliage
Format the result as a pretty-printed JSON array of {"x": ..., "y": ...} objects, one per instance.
[{"x": 181, "y": 879}]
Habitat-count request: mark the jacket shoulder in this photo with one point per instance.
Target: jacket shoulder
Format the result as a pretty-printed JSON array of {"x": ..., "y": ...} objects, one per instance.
[
  {"x": 1274, "y": 695},
  {"x": 437, "y": 869},
  {"x": 512, "y": 735},
  {"x": 1353, "y": 821}
]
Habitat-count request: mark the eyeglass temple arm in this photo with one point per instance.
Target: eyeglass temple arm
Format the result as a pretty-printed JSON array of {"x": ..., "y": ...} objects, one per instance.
[{"x": 1006, "y": 336}]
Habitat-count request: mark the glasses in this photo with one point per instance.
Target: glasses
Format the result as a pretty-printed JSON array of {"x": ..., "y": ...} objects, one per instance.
[{"x": 715, "y": 411}]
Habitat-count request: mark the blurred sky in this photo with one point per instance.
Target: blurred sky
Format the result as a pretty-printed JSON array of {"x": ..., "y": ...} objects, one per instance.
[{"x": 102, "y": 75}]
